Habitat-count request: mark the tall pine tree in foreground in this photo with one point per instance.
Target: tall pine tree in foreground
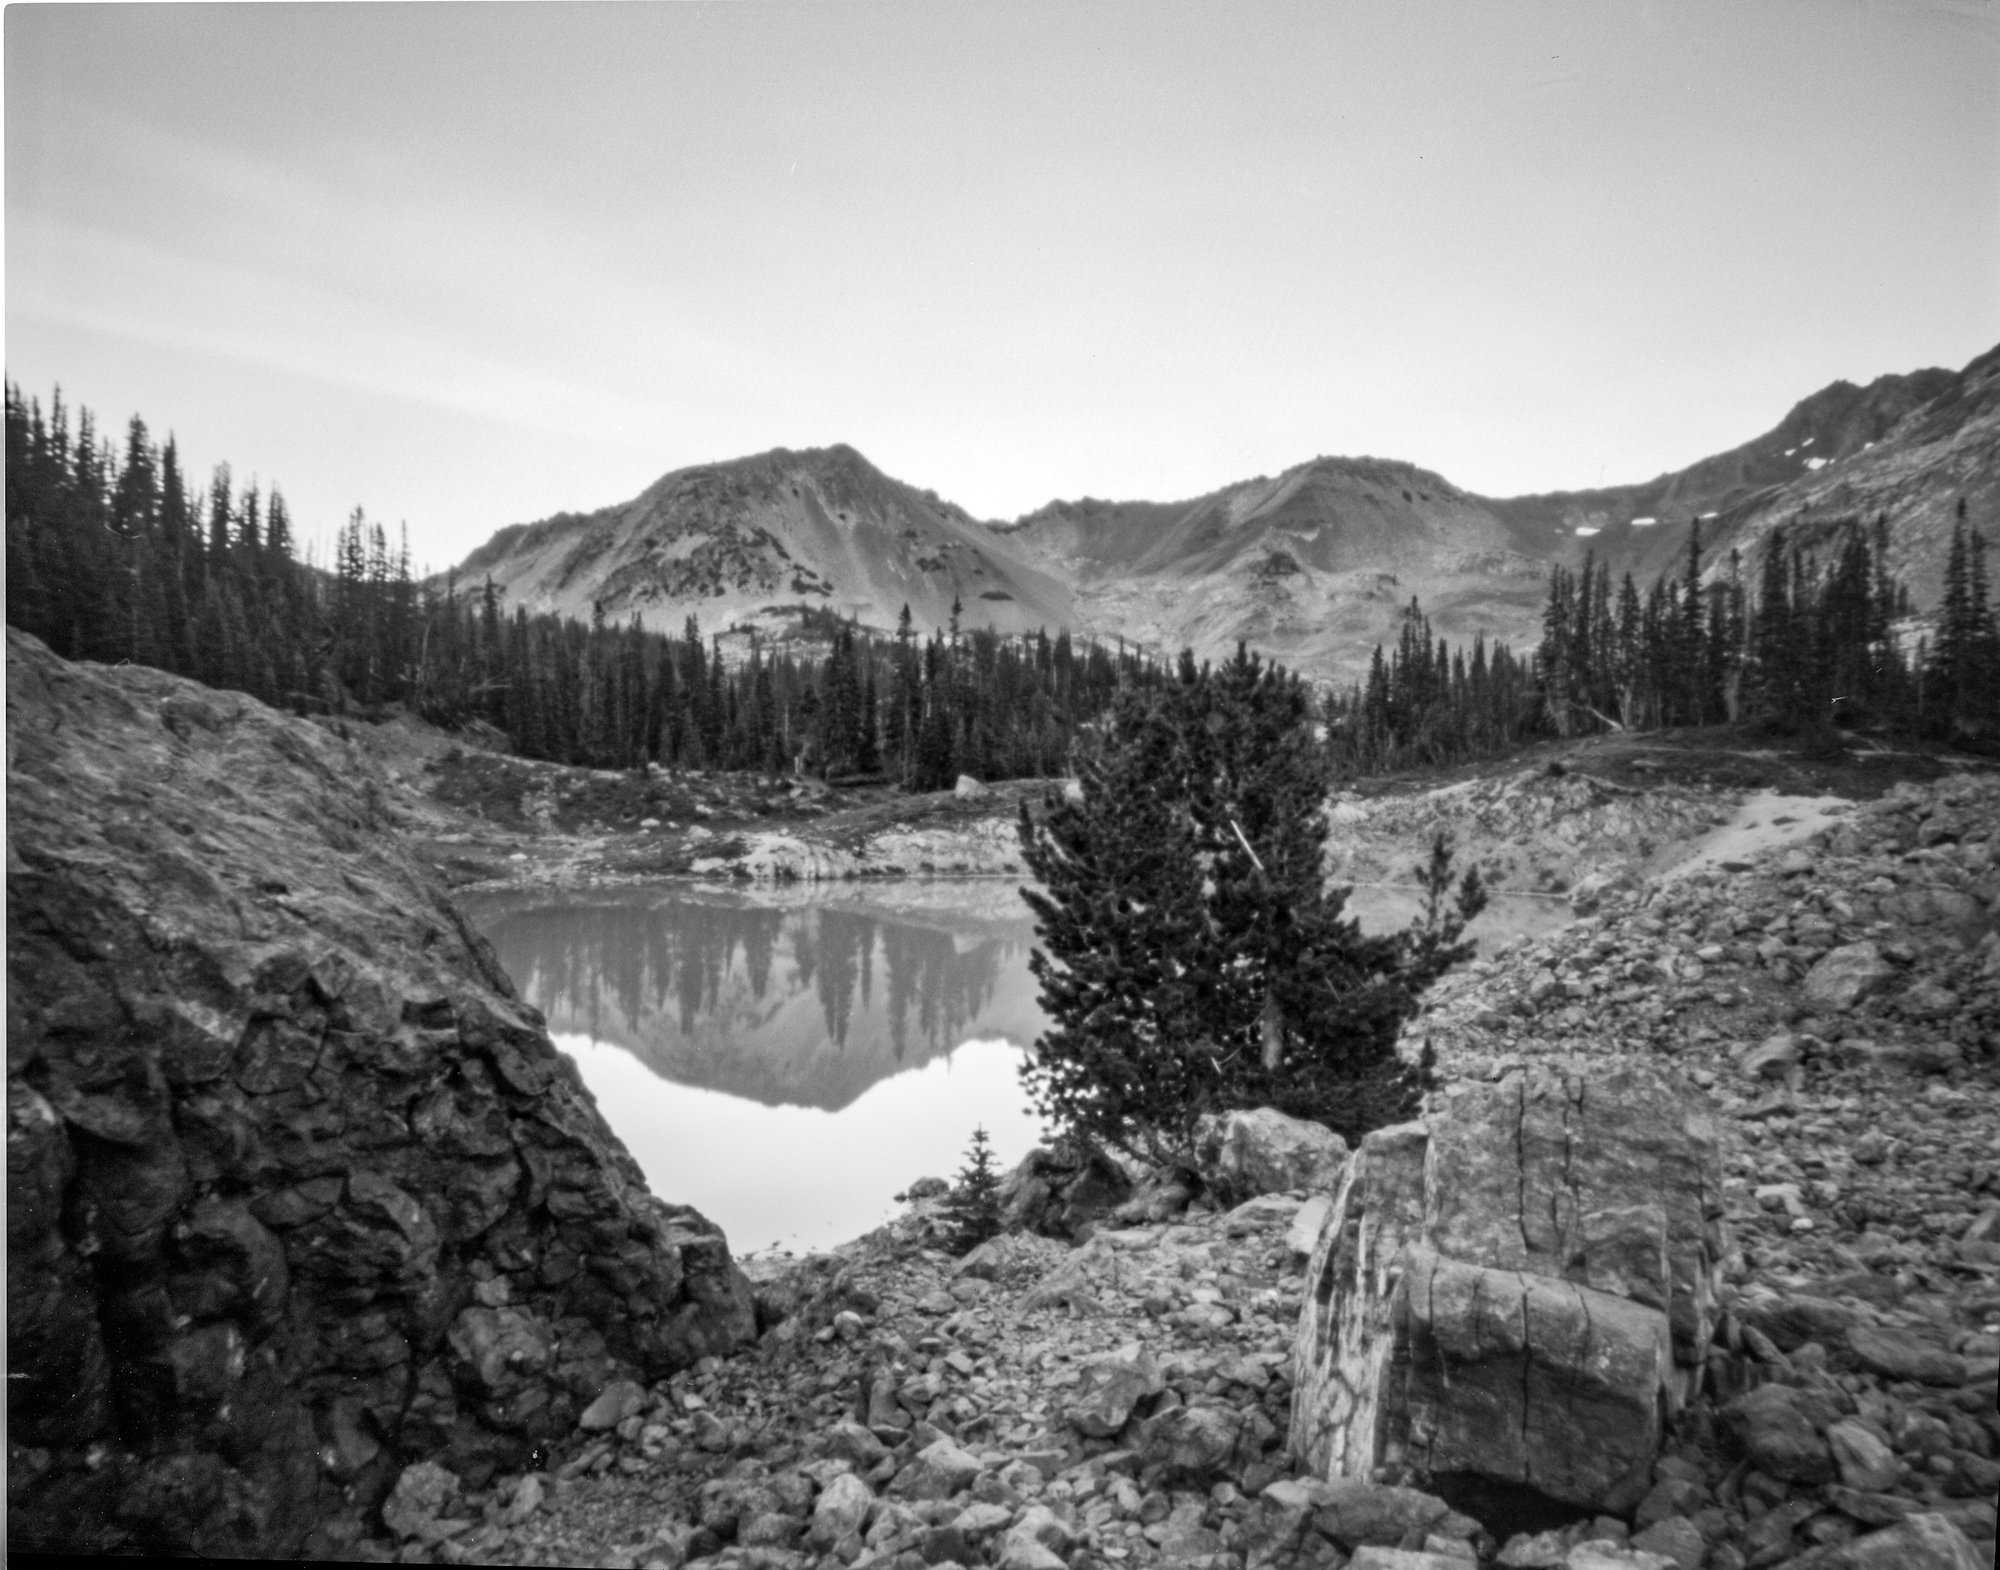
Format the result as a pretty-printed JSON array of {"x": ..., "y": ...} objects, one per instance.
[{"x": 1193, "y": 957}]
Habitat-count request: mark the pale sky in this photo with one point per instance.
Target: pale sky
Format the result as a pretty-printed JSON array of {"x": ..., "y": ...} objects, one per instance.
[{"x": 466, "y": 265}]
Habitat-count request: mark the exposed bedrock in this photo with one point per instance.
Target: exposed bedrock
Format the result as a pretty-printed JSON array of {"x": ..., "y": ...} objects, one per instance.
[
  {"x": 297, "y": 1190},
  {"x": 1515, "y": 1297}
]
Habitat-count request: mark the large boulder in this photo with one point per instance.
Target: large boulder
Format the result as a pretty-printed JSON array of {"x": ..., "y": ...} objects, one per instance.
[
  {"x": 299, "y": 1193},
  {"x": 1242, "y": 1154},
  {"x": 1517, "y": 1294}
]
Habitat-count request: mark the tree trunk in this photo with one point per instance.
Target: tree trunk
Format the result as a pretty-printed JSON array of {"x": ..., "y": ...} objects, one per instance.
[{"x": 1273, "y": 1023}]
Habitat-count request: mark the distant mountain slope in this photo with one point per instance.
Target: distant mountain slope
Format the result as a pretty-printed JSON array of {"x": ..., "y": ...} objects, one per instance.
[
  {"x": 734, "y": 542},
  {"x": 1312, "y": 567},
  {"x": 1908, "y": 446}
]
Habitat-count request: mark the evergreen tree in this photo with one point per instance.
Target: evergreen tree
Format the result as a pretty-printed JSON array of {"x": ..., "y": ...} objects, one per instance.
[
  {"x": 1962, "y": 671},
  {"x": 972, "y": 1206},
  {"x": 1193, "y": 957}
]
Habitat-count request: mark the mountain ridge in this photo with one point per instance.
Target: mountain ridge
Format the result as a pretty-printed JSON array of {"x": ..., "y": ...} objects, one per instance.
[{"x": 1313, "y": 566}]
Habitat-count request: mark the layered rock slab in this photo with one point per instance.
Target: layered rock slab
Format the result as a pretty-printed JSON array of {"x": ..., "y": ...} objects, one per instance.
[
  {"x": 1517, "y": 1292},
  {"x": 298, "y": 1191}
]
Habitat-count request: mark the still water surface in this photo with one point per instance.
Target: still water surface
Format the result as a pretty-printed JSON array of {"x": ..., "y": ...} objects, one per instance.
[{"x": 787, "y": 1060}]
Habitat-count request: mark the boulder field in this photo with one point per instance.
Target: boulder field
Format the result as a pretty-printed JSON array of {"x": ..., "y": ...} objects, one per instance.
[{"x": 298, "y": 1192}]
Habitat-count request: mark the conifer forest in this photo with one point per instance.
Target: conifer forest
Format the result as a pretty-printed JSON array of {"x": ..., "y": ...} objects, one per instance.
[{"x": 116, "y": 554}]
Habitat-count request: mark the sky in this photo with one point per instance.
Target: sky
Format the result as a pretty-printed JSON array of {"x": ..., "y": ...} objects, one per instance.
[{"x": 466, "y": 265}]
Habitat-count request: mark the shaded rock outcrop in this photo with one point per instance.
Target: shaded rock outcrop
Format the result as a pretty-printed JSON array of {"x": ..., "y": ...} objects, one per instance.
[
  {"x": 298, "y": 1191},
  {"x": 1515, "y": 1298},
  {"x": 1062, "y": 1187}
]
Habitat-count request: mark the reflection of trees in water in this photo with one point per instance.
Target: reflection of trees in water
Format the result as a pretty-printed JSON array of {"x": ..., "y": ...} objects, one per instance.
[{"x": 700, "y": 991}]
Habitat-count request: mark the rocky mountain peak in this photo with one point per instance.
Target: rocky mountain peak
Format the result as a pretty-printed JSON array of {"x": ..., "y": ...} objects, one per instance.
[
  {"x": 1841, "y": 418},
  {"x": 750, "y": 541},
  {"x": 1312, "y": 566}
]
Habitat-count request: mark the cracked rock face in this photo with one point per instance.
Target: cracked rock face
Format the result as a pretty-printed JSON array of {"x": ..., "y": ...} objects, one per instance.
[
  {"x": 298, "y": 1193},
  {"x": 1518, "y": 1292}
]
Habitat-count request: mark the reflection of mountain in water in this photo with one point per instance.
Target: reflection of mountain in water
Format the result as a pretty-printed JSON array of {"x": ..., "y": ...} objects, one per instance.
[{"x": 805, "y": 1003}]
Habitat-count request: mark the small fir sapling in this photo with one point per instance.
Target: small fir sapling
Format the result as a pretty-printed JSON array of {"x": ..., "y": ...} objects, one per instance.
[{"x": 972, "y": 1209}]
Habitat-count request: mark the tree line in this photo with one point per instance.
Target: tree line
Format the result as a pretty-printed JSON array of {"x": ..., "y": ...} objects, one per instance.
[
  {"x": 1820, "y": 642},
  {"x": 116, "y": 556},
  {"x": 1814, "y": 645}
]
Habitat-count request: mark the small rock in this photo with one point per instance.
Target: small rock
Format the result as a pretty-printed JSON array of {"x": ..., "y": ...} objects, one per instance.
[
  {"x": 1771, "y": 1057},
  {"x": 1670, "y": 1496},
  {"x": 1155, "y": 1200},
  {"x": 769, "y": 1529},
  {"x": 1111, "y": 1386},
  {"x": 850, "y": 1441},
  {"x": 1846, "y": 975},
  {"x": 1896, "y": 1354},
  {"x": 1601, "y": 1554},
  {"x": 1792, "y": 1321},
  {"x": 982, "y": 1520},
  {"x": 1356, "y": 1514},
  {"x": 525, "y": 1500},
  {"x": 1865, "y": 1462},
  {"x": 1403, "y": 1559},
  {"x": 1776, "y": 1428},
  {"x": 711, "y": 1433},
  {"x": 1928, "y": 999},
  {"x": 940, "y": 1470},
  {"x": 1045, "y": 1527},
  {"x": 1006, "y": 1257},
  {"x": 842, "y": 1508},
  {"x": 1190, "y": 1444},
  {"x": 1589, "y": 891},
  {"x": 946, "y": 1545},
  {"x": 419, "y": 1497},
  {"x": 1024, "y": 1553},
  {"x": 1921, "y": 1542},
  {"x": 1677, "y": 1539},
  {"x": 1781, "y": 1196},
  {"x": 1535, "y": 1550},
  {"x": 620, "y": 1399}
]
